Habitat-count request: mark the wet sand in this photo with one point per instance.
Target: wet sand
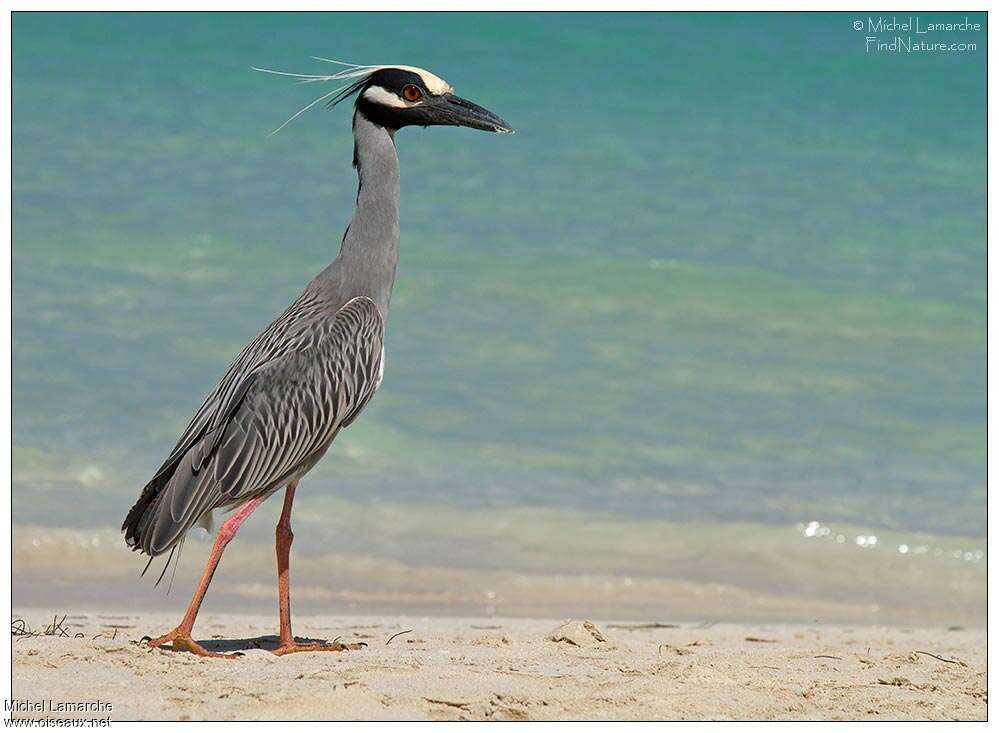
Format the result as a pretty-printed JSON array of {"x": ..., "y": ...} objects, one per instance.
[
  {"x": 524, "y": 563},
  {"x": 502, "y": 668}
]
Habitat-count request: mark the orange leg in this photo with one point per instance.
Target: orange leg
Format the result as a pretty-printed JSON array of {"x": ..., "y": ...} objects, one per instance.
[
  {"x": 180, "y": 638},
  {"x": 283, "y": 539}
]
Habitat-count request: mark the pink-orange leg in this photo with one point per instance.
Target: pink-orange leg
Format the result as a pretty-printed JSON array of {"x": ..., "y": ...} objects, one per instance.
[
  {"x": 180, "y": 638},
  {"x": 283, "y": 539}
]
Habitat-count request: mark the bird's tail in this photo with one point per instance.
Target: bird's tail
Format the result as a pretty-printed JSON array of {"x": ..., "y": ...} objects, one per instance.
[
  {"x": 136, "y": 519},
  {"x": 168, "y": 506}
]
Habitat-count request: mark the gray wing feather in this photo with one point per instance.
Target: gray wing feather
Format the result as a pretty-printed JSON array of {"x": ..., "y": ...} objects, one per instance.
[
  {"x": 291, "y": 331},
  {"x": 270, "y": 426}
]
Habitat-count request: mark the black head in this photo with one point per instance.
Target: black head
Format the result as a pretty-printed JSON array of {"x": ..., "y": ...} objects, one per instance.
[{"x": 397, "y": 96}]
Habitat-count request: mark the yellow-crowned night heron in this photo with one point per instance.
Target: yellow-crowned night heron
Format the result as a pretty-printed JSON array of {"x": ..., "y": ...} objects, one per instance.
[{"x": 282, "y": 401}]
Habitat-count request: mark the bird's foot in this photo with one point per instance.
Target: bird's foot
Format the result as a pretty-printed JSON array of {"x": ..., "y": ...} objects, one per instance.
[
  {"x": 181, "y": 641},
  {"x": 290, "y": 647}
]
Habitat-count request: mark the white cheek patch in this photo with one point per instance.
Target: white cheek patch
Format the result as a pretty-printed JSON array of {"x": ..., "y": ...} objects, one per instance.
[{"x": 382, "y": 96}]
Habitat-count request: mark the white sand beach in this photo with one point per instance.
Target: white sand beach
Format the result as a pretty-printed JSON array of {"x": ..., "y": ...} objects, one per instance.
[{"x": 425, "y": 668}]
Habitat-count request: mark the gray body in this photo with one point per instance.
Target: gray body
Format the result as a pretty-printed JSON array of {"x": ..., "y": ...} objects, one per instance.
[{"x": 282, "y": 401}]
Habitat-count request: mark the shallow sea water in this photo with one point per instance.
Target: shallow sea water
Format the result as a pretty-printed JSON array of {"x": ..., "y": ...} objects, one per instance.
[{"x": 729, "y": 274}]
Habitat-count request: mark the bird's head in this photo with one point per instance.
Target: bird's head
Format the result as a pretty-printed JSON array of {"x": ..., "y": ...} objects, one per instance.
[{"x": 399, "y": 96}]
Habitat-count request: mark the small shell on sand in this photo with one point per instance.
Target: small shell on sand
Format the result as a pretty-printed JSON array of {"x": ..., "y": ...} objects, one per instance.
[{"x": 578, "y": 633}]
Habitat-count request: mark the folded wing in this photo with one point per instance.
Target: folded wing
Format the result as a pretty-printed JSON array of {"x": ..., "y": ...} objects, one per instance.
[{"x": 272, "y": 426}]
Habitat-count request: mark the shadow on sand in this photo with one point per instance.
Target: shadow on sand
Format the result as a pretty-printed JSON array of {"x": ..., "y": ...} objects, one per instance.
[{"x": 267, "y": 643}]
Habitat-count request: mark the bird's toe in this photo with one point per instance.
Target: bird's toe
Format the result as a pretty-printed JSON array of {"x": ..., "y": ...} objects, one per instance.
[
  {"x": 180, "y": 641},
  {"x": 319, "y": 646}
]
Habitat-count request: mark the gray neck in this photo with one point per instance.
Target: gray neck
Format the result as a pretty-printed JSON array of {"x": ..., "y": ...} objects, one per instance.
[{"x": 370, "y": 249}]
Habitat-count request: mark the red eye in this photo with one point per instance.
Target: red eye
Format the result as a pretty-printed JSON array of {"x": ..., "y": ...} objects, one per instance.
[{"x": 412, "y": 93}]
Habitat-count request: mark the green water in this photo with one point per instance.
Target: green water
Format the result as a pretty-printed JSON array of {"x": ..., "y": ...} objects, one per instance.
[{"x": 730, "y": 269}]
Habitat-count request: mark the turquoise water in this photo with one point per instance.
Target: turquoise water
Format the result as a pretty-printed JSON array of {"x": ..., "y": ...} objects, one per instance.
[{"x": 730, "y": 269}]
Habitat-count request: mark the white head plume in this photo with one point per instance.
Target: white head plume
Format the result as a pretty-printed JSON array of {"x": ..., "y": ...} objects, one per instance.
[{"x": 435, "y": 85}]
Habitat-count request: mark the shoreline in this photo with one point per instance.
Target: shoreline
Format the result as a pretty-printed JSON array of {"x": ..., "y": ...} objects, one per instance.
[{"x": 527, "y": 564}]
